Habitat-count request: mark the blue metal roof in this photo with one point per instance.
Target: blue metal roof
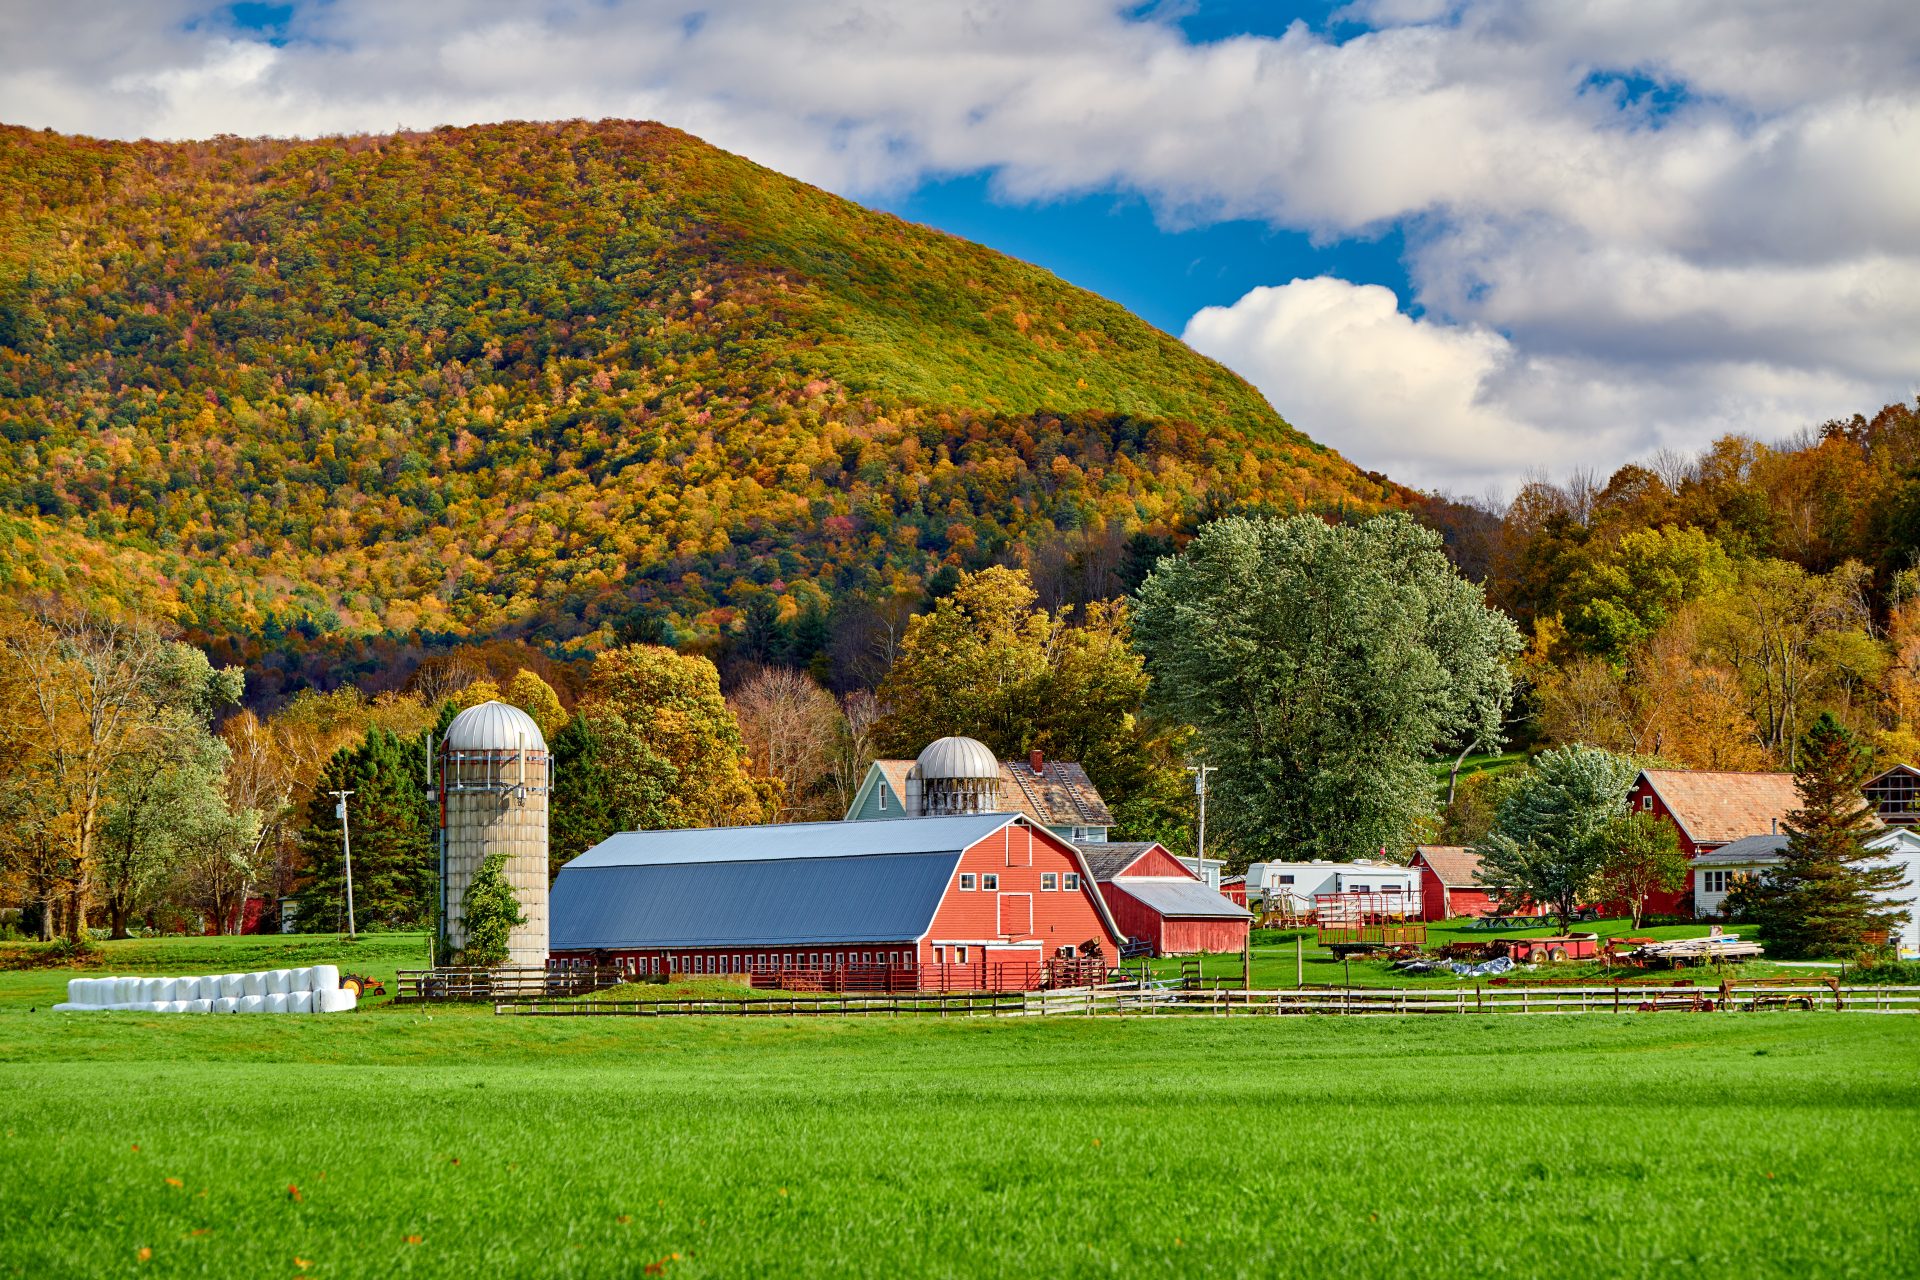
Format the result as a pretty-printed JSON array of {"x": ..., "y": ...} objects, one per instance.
[
  {"x": 1180, "y": 897},
  {"x": 731, "y": 900},
  {"x": 790, "y": 841}
]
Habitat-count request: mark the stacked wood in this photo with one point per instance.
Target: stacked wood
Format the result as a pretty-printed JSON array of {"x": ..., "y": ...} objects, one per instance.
[{"x": 1696, "y": 951}]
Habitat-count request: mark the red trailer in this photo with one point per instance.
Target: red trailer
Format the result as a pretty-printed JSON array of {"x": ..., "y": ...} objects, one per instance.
[{"x": 1572, "y": 946}]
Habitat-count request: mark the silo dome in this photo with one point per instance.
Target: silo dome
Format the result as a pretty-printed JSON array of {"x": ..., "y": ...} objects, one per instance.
[
  {"x": 495, "y": 726},
  {"x": 958, "y": 758}
]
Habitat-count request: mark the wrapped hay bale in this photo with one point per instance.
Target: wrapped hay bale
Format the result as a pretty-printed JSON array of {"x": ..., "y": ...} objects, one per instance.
[
  {"x": 154, "y": 990},
  {"x": 79, "y": 991},
  {"x": 253, "y": 984},
  {"x": 198, "y": 1006},
  {"x": 252, "y": 1004},
  {"x": 279, "y": 981},
  {"x": 300, "y": 1002},
  {"x": 70, "y": 1007},
  {"x": 335, "y": 1001},
  {"x": 230, "y": 987},
  {"x": 325, "y": 977},
  {"x": 277, "y": 1002},
  {"x": 227, "y": 1004}
]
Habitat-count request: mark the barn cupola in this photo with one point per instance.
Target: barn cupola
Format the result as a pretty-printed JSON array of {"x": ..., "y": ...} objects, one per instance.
[{"x": 954, "y": 775}]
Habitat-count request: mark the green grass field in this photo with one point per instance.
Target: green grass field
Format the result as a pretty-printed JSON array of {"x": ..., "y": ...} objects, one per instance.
[{"x": 458, "y": 1143}]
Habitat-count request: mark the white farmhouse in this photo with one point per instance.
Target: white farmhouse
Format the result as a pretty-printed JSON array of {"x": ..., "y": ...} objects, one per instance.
[{"x": 1715, "y": 870}]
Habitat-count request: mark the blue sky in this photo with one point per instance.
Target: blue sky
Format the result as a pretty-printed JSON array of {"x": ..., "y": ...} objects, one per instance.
[{"x": 1463, "y": 241}]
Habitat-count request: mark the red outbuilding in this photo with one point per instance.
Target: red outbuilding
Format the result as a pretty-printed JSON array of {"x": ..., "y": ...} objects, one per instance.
[
  {"x": 1709, "y": 809},
  {"x": 979, "y": 901},
  {"x": 1154, "y": 898},
  {"x": 1450, "y": 884}
]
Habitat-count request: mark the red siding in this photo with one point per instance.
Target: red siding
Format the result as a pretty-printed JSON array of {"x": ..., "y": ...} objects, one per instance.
[
  {"x": 1190, "y": 937},
  {"x": 1156, "y": 861},
  {"x": 1681, "y": 902},
  {"x": 1018, "y": 856}
]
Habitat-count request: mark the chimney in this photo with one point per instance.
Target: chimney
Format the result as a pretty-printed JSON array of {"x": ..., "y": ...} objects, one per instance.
[{"x": 1036, "y": 761}]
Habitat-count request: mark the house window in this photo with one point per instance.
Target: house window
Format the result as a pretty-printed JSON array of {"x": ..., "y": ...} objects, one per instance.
[
  {"x": 966, "y": 880},
  {"x": 883, "y": 799},
  {"x": 989, "y": 881},
  {"x": 1049, "y": 881},
  {"x": 1073, "y": 881},
  {"x": 1716, "y": 881}
]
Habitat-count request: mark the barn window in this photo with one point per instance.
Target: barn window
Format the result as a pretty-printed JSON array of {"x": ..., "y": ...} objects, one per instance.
[
  {"x": 939, "y": 955},
  {"x": 866, "y": 957},
  {"x": 1646, "y": 801},
  {"x": 1073, "y": 882},
  {"x": 989, "y": 881},
  {"x": 960, "y": 955},
  {"x": 1049, "y": 881},
  {"x": 966, "y": 880}
]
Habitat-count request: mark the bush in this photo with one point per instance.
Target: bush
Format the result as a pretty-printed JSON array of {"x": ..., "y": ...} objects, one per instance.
[{"x": 488, "y": 914}]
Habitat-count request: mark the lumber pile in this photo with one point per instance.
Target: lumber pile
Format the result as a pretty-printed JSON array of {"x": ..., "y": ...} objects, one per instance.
[{"x": 1726, "y": 947}]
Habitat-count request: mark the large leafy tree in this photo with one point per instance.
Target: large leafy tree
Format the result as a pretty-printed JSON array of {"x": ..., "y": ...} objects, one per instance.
[
  {"x": 1320, "y": 665},
  {"x": 669, "y": 746},
  {"x": 1555, "y": 832},
  {"x": 1830, "y": 890},
  {"x": 991, "y": 664}
]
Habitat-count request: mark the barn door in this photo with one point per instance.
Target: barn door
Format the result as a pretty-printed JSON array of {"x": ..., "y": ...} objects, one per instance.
[{"x": 1016, "y": 913}]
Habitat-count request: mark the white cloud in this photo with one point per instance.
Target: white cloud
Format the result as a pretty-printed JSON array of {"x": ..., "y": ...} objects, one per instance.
[{"x": 1741, "y": 247}]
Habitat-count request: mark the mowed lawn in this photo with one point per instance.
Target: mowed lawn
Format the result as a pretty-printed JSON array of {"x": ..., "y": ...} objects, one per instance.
[{"x": 471, "y": 1145}]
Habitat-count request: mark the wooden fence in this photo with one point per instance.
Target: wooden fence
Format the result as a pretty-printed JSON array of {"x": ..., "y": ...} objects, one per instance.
[
  {"x": 1158, "y": 1000},
  {"x": 422, "y": 986}
]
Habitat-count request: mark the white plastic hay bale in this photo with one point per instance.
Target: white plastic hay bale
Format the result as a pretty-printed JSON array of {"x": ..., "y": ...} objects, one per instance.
[
  {"x": 324, "y": 977},
  {"x": 232, "y": 985},
  {"x": 299, "y": 980},
  {"x": 226, "y": 1004},
  {"x": 336, "y": 1001},
  {"x": 79, "y": 991},
  {"x": 154, "y": 990},
  {"x": 252, "y": 1004},
  {"x": 169, "y": 990},
  {"x": 253, "y": 984},
  {"x": 70, "y": 1007},
  {"x": 277, "y": 1002},
  {"x": 300, "y": 1002},
  {"x": 279, "y": 981},
  {"x": 197, "y": 1006},
  {"x": 146, "y": 1006},
  {"x": 203, "y": 989},
  {"x": 174, "y": 1006}
]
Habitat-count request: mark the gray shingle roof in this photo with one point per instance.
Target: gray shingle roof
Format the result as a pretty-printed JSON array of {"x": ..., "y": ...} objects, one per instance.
[
  {"x": 1108, "y": 860},
  {"x": 1180, "y": 898},
  {"x": 1761, "y": 848}
]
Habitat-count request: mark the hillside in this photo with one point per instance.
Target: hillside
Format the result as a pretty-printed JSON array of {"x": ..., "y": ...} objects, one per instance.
[{"x": 561, "y": 380}]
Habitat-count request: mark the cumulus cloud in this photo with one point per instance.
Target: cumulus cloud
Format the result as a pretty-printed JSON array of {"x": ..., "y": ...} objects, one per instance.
[{"x": 1701, "y": 214}]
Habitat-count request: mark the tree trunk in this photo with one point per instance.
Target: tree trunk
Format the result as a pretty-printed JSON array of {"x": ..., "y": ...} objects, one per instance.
[
  {"x": 117, "y": 916},
  {"x": 76, "y": 916}
]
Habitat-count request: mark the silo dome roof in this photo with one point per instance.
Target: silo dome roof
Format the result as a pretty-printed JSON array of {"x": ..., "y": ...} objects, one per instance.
[
  {"x": 494, "y": 726},
  {"x": 958, "y": 758}
]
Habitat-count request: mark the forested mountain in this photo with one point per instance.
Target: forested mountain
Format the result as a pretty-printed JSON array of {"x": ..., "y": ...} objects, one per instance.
[{"x": 575, "y": 382}]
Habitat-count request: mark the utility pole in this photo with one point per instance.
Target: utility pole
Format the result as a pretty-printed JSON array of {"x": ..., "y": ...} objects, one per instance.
[
  {"x": 346, "y": 852},
  {"x": 1200, "y": 772}
]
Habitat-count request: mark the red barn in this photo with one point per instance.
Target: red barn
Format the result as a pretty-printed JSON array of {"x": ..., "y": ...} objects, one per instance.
[
  {"x": 1709, "y": 809},
  {"x": 1450, "y": 884},
  {"x": 1155, "y": 898},
  {"x": 963, "y": 902}
]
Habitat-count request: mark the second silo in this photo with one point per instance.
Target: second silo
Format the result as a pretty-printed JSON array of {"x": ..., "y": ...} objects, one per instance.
[{"x": 494, "y": 777}]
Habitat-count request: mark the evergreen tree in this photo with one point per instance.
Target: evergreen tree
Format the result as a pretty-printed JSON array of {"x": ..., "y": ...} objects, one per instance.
[
  {"x": 1829, "y": 891},
  {"x": 392, "y": 827},
  {"x": 585, "y": 807},
  {"x": 488, "y": 914}
]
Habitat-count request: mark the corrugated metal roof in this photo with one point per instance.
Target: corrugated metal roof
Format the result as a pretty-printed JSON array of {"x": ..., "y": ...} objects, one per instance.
[
  {"x": 1180, "y": 898},
  {"x": 791, "y": 841},
  {"x": 731, "y": 902}
]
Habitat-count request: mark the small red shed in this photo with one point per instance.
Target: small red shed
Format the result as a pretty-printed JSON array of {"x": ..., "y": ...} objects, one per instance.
[
  {"x": 1450, "y": 884},
  {"x": 1155, "y": 898}
]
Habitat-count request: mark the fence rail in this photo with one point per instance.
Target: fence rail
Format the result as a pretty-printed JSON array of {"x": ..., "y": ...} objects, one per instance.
[
  {"x": 1155, "y": 1000},
  {"x": 424, "y": 986}
]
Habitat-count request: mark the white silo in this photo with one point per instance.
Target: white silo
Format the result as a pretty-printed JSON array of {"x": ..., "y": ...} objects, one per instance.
[
  {"x": 954, "y": 775},
  {"x": 494, "y": 777}
]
